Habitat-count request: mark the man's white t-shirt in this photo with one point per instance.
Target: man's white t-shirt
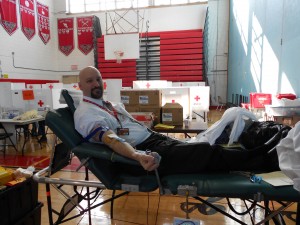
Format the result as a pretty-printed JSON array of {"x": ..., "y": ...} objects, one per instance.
[{"x": 88, "y": 116}]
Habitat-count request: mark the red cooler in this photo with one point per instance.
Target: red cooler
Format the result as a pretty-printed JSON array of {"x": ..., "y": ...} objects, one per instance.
[
  {"x": 259, "y": 100},
  {"x": 288, "y": 96}
]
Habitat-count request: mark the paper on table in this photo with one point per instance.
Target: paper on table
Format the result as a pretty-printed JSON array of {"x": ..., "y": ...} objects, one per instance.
[
  {"x": 277, "y": 178},
  {"x": 163, "y": 126}
]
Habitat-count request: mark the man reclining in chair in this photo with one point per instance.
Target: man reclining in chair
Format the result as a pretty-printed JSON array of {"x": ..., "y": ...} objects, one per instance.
[{"x": 113, "y": 126}]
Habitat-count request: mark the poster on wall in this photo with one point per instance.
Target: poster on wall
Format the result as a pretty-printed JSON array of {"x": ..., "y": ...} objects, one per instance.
[
  {"x": 65, "y": 30},
  {"x": 43, "y": 22},
  {"x": 27, "y": 15},
  {"x": 8, "y": 15},
  {"x": 85, "y": 34}
]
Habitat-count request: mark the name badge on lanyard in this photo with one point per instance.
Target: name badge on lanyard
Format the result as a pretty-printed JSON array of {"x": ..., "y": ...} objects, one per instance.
[{"x": 122, "y": 131}]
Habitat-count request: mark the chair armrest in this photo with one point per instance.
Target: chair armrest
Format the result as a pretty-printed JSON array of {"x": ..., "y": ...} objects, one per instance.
[{"x": 100, "y": 151}]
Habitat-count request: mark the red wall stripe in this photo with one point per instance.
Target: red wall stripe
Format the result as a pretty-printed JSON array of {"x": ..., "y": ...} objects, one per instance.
[{"x": 27, "y": 81}]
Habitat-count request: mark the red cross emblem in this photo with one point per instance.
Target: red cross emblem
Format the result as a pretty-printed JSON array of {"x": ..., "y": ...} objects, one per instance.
[
  {"x": 50, "y": 86},
  {"x": 40, "y": 103},
  {"x": 30, "y": 86},
  {"x": 104, "y": 85},
  {"x": 197, "y": 98},
  {"x": 147, "y": 85},
  {"x": 74, "y": 86}
]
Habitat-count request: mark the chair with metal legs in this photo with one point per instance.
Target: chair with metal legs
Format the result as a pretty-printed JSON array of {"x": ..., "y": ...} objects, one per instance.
[
  {"x": 4, "y": 135},
  {"x": 221, "y": 104}
]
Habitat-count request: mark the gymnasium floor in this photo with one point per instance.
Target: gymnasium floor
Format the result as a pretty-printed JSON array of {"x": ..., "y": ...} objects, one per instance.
[{"x": 135, "y": 208}]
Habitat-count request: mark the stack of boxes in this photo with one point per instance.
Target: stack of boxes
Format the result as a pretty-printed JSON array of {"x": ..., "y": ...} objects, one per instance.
[
  {"x": 143, "y": 101},
  {"x": 150, "y": 101}
]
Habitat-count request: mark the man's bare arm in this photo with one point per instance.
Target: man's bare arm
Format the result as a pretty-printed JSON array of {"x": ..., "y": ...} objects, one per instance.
[{"x": 125, "y": 149}]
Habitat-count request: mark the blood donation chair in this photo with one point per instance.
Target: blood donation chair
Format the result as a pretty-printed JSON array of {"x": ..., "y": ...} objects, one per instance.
[{"x": 106, "y": 166}]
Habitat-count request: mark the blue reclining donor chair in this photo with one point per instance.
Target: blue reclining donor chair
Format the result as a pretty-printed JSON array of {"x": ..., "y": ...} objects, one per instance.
[{"x": 105, "y": 165}]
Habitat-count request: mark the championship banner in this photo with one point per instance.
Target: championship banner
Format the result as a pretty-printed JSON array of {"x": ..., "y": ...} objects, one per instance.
[
  {"x": 43, "y": 22},
  {"x": 65, "y": 35},
  {"x": 27, "y": 15},
  {"x": 8, "y": 15},
  {"x": 85, "y": 34}
]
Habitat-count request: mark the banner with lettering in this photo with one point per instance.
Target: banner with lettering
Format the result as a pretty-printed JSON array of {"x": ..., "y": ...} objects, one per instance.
[
  {"x": 8, "y": 15},
  {"x": 65, "y": 27},
  {"x": 85, "y": 34},
  {"x": 27, "y": 15},
  {"x": 43, "y": 22}
]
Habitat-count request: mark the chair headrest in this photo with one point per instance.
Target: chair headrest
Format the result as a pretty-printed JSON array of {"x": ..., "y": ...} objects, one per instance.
[
  {"x": 69, "y": 100},
  {"x": 61, "y": 122}
]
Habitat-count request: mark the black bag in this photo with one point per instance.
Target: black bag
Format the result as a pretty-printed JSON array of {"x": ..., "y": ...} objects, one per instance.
[
  {"x": 266, "y": 133},
  {"x": 256, "y": 151}
]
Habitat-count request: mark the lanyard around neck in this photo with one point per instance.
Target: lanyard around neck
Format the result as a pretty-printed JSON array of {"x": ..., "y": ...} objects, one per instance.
[{"x": 112, "y": 112}]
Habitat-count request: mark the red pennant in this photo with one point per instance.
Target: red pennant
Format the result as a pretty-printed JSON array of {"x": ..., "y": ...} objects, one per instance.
[
  {"x": 65, "y": 32},
  {"x": 8, "y": 15},
  {"x": 27, "y": 15},
  {"x": 85, "y": 34},
  {"x": 43, "y": 22}
]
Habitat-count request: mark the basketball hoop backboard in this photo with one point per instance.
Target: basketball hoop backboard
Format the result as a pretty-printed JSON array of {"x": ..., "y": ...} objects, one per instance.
[{"x": 126, "y": 43}]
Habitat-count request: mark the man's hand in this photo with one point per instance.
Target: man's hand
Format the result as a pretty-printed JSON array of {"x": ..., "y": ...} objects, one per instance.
[{"x": 148, "y": 162}]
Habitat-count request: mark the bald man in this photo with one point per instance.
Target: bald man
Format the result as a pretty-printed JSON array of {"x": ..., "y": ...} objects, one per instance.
[
  {"x": 113, "y": 126},
  {"x": 91, "y": 84}
]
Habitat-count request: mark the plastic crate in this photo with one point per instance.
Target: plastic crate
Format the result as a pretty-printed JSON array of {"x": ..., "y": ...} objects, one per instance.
[
  {"x": 33, "y": 217},
  {"x": 282, "y": 110},
  {"x": 17, "y": 201},
  {"x": 259, "y": 100}
]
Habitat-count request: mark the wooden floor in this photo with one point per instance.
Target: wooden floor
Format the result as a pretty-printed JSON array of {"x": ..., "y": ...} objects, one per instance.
[{"x": 144, "y": 208}]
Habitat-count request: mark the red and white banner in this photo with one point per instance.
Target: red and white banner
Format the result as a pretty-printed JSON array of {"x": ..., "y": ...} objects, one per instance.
[
  {"x": 85, "y": 34},
  {"x": 43, "y": 22},
  {"x": 27, "y": 15},
  {"x": 65, "y": 27},
  {"x": 8, "y": 15}
]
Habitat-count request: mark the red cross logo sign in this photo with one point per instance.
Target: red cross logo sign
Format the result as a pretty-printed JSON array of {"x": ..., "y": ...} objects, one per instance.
[
  {"x": 148, "y": 85},
  {"x": 197, "y": 98},
  {"x": 50, "y": 86},
  {"x": 40, "y": 103}
]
